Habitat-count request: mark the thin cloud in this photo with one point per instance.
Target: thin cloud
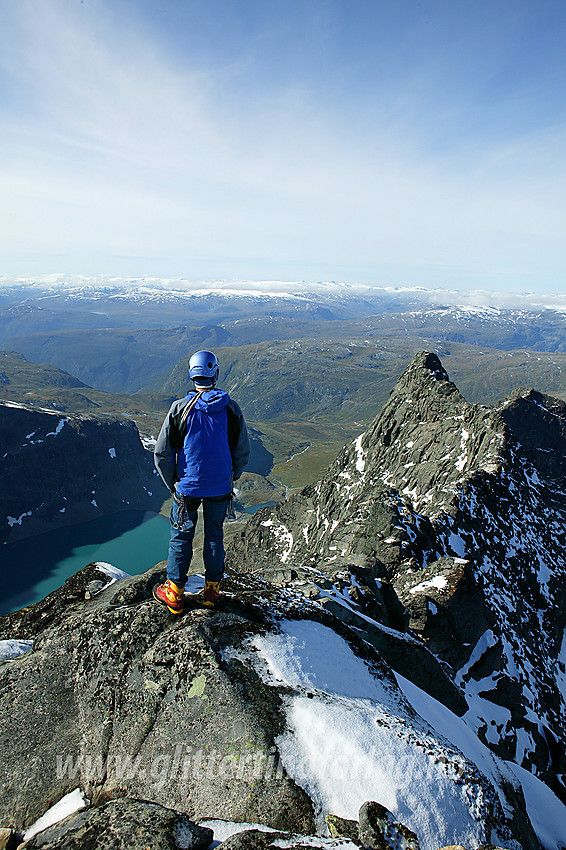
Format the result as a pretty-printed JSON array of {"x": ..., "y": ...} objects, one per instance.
[{"x": 121, "y": 149}]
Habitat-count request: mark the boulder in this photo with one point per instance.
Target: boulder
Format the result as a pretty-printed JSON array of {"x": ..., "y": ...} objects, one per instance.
[
  {"x": 125, "y": 824},
  {"x": 255, "y": 839},
  {"x": 379, "y": 830},
  {"x": 343, "y": 828},
  {"x": 121, "y": 699}
]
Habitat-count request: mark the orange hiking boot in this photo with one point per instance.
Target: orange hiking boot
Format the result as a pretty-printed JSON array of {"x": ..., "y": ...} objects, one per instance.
[
  {"x": 171, "y": 595},
  {"x": 211, "y": 593}
]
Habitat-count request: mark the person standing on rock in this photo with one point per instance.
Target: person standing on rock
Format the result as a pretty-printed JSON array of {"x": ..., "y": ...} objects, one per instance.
[{"x": 202, "y": 448}]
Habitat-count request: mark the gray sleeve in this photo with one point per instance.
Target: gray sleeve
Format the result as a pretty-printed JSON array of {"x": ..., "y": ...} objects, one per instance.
[
  {"x": 165, "y": 458},
  {"x": 240, "y": 450}
]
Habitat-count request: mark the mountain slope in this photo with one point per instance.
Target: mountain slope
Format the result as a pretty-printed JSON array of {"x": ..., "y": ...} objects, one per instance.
[{"x": 457, "y": 511}]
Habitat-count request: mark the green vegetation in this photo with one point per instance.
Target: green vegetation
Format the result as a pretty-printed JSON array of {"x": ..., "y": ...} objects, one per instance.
[
  {"x": 45, "y": 386},
  {"x": 334, "y": 382},
  {"x": 307, "y": 397}
]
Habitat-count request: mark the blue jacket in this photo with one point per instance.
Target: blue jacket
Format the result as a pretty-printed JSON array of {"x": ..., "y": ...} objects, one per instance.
[{"x": 212, "y": 453}]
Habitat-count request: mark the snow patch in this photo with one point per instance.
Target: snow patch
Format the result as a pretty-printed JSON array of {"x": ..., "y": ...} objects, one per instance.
[
  {"x": 282, "y": 535},
  {"x": 348, "y": 742},
  {"x": 360, "y": 459},
  {"x": 457, "y": 545},
  {"x": 58, "y": 429},
  {"x": 12, "y": 520},
  {"x": 438, "y": 582},
  {"x": 463, "y": 459},
  {"x": 546, "y": 812},
  {"x": 224, "y": 829},
  {"x": 67, "y": 805},
  {"x": 13, "y": 648},
  {"x": 194, "y": 584},
  {"x": 109, "y": 570}
]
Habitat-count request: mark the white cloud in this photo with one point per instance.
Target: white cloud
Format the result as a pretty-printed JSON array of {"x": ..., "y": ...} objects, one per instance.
[{"x": 121, "y": 150}]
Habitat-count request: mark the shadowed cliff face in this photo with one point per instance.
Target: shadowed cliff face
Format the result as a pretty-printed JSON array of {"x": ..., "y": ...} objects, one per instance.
[
  {"x": 59, "y": 470},
  {"x": 458, "y": 511}
]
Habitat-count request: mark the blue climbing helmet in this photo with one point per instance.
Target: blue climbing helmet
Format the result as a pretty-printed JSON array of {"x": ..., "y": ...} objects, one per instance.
[{"x": 204, "y": 368}]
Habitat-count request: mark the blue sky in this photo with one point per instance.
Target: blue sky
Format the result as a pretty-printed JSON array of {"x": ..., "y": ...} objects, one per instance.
[{"x": 388, "y": 142}]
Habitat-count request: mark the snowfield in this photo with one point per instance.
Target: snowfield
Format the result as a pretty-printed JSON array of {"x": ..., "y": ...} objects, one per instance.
[{"x": 354, "y": 737}]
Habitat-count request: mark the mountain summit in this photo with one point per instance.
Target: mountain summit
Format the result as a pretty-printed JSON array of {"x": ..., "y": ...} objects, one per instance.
[
  {"x": 446, "y": 521},
  {"x": 398, "y": 680}
]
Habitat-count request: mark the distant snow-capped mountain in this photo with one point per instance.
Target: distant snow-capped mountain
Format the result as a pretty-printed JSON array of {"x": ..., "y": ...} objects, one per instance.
[{"x": 164, "y": 289}]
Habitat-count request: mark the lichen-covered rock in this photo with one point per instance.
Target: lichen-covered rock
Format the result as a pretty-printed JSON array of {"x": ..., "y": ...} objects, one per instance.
[
  {"x": 119, "y": 698},
  {"x": 124, "y": 824},
  {"x": 379, "y": 830},
  {"x": 343, "y": 828}
]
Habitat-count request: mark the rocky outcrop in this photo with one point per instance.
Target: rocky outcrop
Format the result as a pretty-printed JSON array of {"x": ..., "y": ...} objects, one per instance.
[
  {"x": 458, "y": 511},
  {"x": 199, "y": 714},
  {"x": 128, "y": 824},
  {"x": 60, "y": 469},
  {"x": 124, "y": 824},
  {"x": 120, "y": 700},
  {"x": 378, "y": 830}
]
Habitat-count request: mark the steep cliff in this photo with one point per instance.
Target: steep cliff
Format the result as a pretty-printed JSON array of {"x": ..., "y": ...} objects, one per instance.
[
  {"x": 60, "y": 469},
  {"x": 455, "y": 513}
]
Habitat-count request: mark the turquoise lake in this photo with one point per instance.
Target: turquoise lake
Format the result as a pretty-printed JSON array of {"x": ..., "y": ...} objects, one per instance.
[{"x": 131, "y": 541}]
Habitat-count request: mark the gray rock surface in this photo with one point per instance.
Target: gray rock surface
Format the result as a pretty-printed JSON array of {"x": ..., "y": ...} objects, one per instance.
[
  {"x": 459, "y": 510},
  {"x": 60, "y": 469},
  {"x": 255, "y": 839},
  {"x": 120, "y": 698},
  {"x": 124, "y": 824},
  {"x": 379, "y": 830}
]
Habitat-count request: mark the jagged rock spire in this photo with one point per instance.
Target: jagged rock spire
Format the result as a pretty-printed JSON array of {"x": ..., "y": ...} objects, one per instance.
[{"x": 461, "y": 508}]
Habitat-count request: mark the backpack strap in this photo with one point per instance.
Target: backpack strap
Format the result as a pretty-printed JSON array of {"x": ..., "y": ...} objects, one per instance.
[{"x": 185, "y": 414}]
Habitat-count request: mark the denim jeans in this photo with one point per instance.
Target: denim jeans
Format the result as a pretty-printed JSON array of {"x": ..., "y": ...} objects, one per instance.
[{"x": 183, "y": 523}]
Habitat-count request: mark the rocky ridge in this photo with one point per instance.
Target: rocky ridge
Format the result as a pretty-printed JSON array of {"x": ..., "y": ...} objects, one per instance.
[
  {"x": 198, "y": 716},
  {"x": 370, "y": 672},
  {"x": 445, "y": 522}
]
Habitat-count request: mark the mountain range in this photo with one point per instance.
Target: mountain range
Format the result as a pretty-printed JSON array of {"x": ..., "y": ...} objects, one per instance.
[
  {"x": 387, "y": 665},
  {"x": 128, "y": 337}
]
